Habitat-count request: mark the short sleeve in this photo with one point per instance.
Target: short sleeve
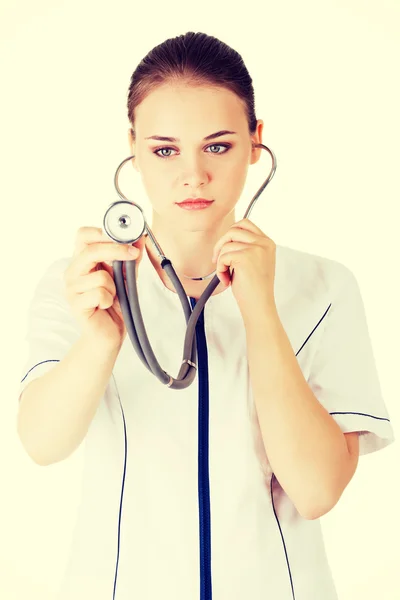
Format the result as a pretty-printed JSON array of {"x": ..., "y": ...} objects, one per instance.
[
  {"x": 51, "y": 327},
  {"x": 343, "y": 374}
]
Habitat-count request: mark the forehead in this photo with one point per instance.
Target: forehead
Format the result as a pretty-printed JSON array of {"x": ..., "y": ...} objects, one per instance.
[{"x": 171, "y": 109}]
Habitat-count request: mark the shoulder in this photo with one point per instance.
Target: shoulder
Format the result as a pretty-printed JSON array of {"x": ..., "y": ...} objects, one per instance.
[
  {"x": 51, "y": 278},
  {"x": 306, "y": 287},
  {"x": 310, "y": 273}
]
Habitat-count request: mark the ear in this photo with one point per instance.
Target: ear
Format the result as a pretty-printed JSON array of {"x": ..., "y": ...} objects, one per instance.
[
  {"x": 256, "y": 138},
  {"x": 131, "y": 143}
]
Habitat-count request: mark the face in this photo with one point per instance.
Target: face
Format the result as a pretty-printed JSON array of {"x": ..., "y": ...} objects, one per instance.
[{"x": 213, "y": 169}]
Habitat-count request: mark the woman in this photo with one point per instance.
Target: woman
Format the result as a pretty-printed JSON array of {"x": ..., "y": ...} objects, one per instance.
[{"x": 213, "y": 491}]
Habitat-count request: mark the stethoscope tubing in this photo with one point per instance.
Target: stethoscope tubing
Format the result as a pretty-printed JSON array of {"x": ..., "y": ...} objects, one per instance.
[{"x": 130, "y": 305}]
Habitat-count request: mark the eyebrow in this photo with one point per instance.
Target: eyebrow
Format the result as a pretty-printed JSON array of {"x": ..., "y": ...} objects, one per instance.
[{"x": 172, "y": 139}]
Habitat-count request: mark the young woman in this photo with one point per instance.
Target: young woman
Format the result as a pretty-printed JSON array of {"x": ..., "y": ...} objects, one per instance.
[{"x": 213, "y": 491}]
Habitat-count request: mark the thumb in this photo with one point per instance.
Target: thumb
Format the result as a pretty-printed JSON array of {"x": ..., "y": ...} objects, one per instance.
[{"x": 140, "y": 244}]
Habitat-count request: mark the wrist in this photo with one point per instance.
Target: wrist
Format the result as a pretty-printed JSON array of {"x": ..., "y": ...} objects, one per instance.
[
  {"x": 99, "y": 343},
  {"x": 263, "y": 314}
]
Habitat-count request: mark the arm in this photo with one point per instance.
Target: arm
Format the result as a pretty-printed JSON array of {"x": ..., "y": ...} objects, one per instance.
[
  {"x": 57, "y": 408},
  {"x": 311, "y": 457}
]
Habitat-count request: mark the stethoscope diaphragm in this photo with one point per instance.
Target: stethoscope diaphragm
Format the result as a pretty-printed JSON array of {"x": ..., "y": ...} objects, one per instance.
[{"x": 124, "y": 222}]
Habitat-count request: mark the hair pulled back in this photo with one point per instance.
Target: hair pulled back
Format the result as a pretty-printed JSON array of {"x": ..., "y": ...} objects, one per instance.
[{"x": 196, "y": 59}]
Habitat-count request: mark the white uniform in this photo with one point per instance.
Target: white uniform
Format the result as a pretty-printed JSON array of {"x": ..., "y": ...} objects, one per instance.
[{"x": 179, "y": 501}]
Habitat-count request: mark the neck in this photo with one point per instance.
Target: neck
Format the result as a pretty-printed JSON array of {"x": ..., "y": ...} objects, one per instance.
[{"x": 190, "y": 253}]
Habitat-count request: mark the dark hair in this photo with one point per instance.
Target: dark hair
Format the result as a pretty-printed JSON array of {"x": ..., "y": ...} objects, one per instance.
[{"x": 197, "y": 59}]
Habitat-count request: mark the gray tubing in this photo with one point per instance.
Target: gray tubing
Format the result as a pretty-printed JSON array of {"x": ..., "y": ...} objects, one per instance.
[
  {"x": 133, "y": 319},
  {"x": 126, "y": 312}
]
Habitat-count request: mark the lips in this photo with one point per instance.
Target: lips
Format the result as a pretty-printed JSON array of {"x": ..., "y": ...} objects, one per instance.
[{"x": 195, "y": 200}]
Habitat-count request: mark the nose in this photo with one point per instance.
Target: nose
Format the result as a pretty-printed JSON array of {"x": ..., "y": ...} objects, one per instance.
[{"x": 194, "y": 173}]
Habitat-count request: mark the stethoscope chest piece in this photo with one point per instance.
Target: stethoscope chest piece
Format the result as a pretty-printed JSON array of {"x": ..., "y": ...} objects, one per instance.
[{"x": 124, "y": 222}]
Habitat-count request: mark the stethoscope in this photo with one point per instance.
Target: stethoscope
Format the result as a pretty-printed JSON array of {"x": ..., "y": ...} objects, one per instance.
[{"x": 124, "y": 222}]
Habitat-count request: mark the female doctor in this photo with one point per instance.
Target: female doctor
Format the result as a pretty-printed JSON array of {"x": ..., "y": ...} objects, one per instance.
[{"x": 213, "y": 491}]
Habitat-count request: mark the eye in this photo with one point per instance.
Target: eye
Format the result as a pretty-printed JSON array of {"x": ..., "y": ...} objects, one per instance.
[
  {"x": 226, "y": 146},
  {"x": 160, "y": 150}
]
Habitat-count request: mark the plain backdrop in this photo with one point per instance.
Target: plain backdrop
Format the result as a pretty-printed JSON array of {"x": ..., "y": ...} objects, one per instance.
[{"x": 327, "y": 87}]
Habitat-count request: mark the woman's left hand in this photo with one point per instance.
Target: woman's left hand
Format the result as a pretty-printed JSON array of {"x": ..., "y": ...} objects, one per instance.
[{"x": 245, "y": 258}]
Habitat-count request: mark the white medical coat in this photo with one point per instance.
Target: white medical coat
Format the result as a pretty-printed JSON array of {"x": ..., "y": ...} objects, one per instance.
[{"x": 179, "y": 501}]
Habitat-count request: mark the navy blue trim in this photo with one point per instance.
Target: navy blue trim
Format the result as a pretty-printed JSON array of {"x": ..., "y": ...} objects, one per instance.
[
  {"x": 361, "y": 414},
  {"x": 283, "y": 540},
  {"x": 337, "y": 413},
  {"x": 203, "y": 464},
  {"x": 122, "y": 490},
  {"x": 308, "y": 337},
  {"x": 40, "y": 363}
]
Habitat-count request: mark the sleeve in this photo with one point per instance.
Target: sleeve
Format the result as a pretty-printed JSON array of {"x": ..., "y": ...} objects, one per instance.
[
  {"x": 343, "y": 373},
  {"x": 51, "y": 327}
]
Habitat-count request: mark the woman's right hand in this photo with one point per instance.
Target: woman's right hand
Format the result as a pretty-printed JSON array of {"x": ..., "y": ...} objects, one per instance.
[{"x": 90, "y": 287}]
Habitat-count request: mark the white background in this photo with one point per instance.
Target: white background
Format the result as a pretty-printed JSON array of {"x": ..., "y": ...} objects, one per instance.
[{"x": 326, "y": 78}]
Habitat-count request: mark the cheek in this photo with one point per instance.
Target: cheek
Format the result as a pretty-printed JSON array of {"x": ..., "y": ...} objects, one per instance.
[
  {"x": 151, "y": 185},
  {"x": 156, "y": 183},
  {"x": 234, "y": 179}
]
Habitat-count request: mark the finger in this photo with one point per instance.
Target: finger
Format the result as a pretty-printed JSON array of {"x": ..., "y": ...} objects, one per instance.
[
  {"x": 106, "y": 266},
  {"x": 234, "y": 234},
  {"x": 97, "y": 279},
  {"x": 224, "y": 278},
  {"x": 88, "y": 235},
  {"x": 96, "y": 253},
  {"x": 227, "y": 260},
  {"x": 249, "y": 226}
]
